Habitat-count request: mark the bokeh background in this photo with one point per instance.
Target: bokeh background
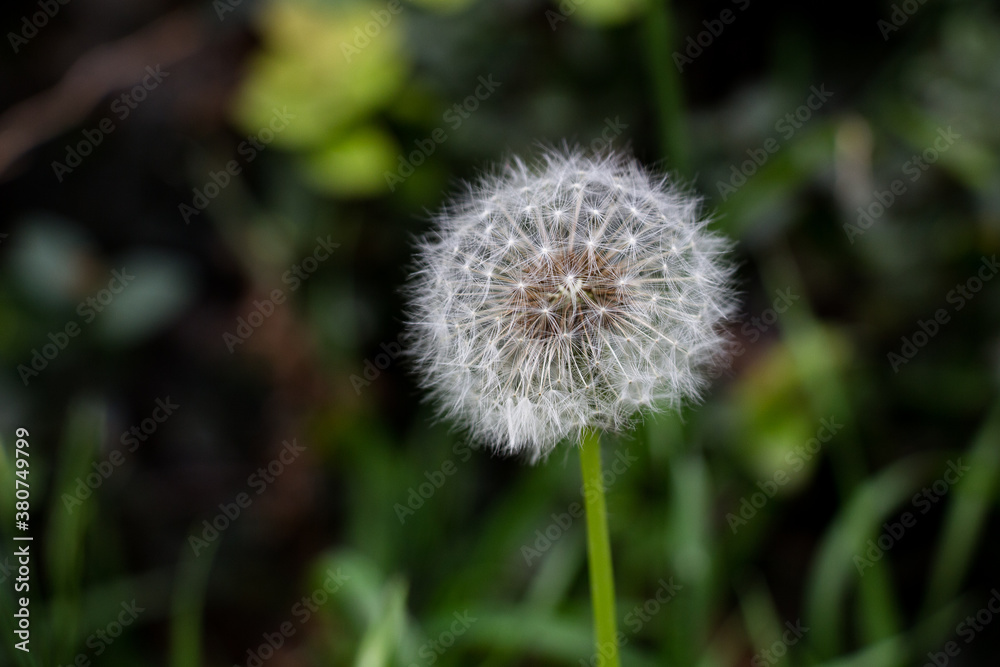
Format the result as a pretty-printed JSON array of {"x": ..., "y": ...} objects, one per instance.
[{"x": 256, "y": 172}]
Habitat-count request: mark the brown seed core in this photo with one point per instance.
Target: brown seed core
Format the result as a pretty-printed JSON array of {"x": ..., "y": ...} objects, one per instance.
[{"x": 567, "y": 294}]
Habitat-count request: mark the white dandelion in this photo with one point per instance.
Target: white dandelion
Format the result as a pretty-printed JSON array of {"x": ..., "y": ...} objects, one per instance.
[{"x": 572, "y": 294}]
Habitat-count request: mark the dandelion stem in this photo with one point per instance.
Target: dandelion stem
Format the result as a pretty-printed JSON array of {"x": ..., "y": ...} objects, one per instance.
[{"x": 602, "y": 583}]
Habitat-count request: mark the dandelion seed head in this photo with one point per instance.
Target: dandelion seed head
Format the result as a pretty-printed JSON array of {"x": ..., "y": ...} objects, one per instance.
[{"x": 608, "y": 305}]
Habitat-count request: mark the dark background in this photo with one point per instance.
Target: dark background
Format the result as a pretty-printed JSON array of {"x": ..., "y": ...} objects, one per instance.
[{"x": 312, "y": 373}]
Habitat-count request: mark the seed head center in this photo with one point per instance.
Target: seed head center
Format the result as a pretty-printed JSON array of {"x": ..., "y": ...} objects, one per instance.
[
  {"x": 568, "y": 294},
  {"x": 570, "y": 289}
]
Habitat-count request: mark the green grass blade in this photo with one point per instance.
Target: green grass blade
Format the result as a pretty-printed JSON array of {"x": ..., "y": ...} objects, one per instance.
[
  {"x": 834, "y": 570},
  {"x": 971, "y": 500},
  {"x": 188, "y": 604}
]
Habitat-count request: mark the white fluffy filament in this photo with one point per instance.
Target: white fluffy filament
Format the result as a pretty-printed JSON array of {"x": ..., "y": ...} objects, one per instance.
[{"x": 577, "y": 292}]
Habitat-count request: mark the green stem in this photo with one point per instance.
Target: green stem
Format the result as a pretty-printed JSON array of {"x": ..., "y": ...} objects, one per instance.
[{"x": 602, "y": 582}]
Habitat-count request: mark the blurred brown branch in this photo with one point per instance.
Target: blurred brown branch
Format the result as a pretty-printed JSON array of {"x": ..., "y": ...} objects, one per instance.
[{"x": 94, "y": 75}]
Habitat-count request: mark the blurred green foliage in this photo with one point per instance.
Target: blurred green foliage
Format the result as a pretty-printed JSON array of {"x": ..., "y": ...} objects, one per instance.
[{"x": 391, "y": 519}]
